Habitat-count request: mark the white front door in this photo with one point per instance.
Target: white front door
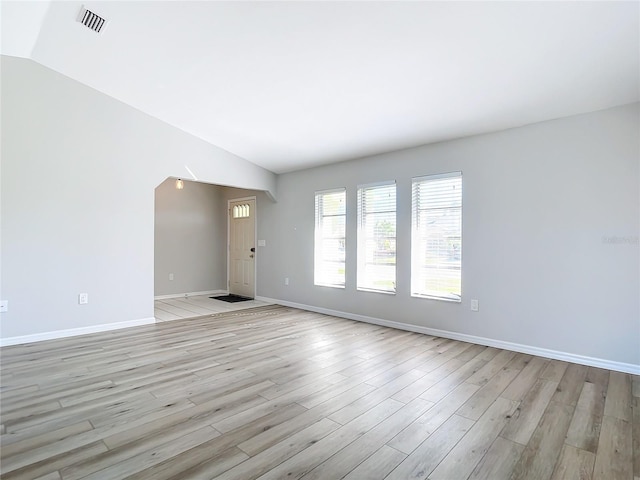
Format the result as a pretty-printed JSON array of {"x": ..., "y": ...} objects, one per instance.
[{"x": 242, "y": 248}]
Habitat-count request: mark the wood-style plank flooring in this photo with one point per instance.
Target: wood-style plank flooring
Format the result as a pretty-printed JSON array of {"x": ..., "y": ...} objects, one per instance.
[{"x": 280, "y": 393}]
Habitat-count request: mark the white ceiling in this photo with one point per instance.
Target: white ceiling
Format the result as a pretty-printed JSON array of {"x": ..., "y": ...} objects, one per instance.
[{"x": 288, "y": 85}]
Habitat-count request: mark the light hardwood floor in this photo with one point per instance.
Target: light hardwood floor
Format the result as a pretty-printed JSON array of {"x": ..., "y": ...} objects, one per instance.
[{"x": 280, "y": 393}]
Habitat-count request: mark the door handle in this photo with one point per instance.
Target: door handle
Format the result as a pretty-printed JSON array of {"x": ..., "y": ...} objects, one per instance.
[
  {"x": 251, "y": 256},
  {"x": 253, "y": 249}
]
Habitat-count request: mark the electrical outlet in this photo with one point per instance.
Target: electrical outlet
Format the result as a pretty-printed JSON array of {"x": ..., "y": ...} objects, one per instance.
[
  {"x": 83, "y": 298},
  {"x": 286, "y": 280},
  {"x": 4, "y": 306},
  {"x": 171, "y": 276},
  {"x": 474, "y": 305}
]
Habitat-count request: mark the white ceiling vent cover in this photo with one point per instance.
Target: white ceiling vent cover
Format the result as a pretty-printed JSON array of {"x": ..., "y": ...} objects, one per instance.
[{"x": 92, "y": 20}]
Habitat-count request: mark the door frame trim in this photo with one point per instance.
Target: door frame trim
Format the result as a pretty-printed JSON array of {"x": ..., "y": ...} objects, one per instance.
[{"x": 255, "y": 241}]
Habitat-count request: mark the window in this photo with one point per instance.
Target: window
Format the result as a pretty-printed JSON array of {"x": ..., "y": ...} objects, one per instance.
[
  {"x": 329, "y": 252},
  {"x": 241, "y": 211},
  {"x": 436, "y": 236},
  {"x": 377, "y": 237}
]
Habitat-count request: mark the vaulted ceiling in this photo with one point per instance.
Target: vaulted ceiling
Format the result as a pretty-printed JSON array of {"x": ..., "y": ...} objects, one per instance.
[{"x": 288, "y": 85}]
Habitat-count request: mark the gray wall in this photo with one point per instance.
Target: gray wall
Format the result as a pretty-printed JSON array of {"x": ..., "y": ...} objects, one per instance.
[
  {"x": 539, "y": 204},
  {"x": 79, "y": 171},
  {"x": 190, "y": 238}
]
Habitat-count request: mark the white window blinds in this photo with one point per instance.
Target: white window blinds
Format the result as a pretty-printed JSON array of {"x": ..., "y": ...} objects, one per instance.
[
  {"x": 436, "y": 236},
  {"x": 329, "y": 249},
  {"x": 377, "y": 237}
]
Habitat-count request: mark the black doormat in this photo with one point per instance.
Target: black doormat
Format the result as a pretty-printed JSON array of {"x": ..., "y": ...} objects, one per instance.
[{"x": 232, "y": 298}]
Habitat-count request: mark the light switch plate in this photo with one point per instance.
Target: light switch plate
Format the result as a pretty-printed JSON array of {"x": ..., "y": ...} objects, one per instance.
[
  {"x": 4, "y": 306},
  {"x": 262, "y": 243}
]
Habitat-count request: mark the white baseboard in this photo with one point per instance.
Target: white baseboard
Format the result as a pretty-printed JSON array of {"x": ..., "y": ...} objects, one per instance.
[
  {"x": 489, "y": 342},
  {"x": 72, "y": 332},
  {"x": 190, "y": 294}
]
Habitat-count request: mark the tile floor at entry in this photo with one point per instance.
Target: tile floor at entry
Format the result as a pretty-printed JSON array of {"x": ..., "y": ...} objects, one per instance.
[{"x": 198, "y": 305}]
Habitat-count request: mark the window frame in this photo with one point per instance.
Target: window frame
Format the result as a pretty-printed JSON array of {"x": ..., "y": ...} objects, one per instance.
[
  {"x": 362, "y": 239},
  {"x": 416, "y": 243},
  {"x": 319, "y": 240}
]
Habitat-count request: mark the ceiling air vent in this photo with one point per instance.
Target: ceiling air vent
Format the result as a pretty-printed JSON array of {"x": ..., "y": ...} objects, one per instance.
[{"x": 92, "y": 20}]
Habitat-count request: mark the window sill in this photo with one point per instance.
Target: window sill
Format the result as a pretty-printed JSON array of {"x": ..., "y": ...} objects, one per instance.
[
  {"x": 442, "y": 299},
  {"x": 372, "y": 290}
]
